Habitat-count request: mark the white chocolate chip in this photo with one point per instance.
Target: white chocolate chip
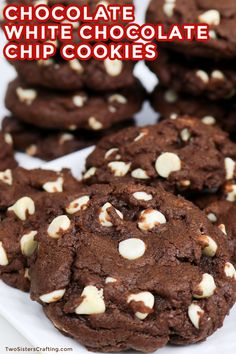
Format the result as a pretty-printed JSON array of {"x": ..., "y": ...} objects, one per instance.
[
  {"x": 231, "y": 193},
  {"x": 167, "y": 163},
  {"x": 147, "y": 298},
  {"x": 185, "y": 134},
  {"x": 94, "y": 123},
  {"x": 150, "y": 218},
  {"x": 168, "y": 7},
  {"x": 212, "y": 34},
  {"x": 117, "y": 98},
  {"x": 54, "y": 296},
  {"x": 65, "y": 137},
  {"x": 218, "y": 75},
  {"x": 31, "y": 150},
  {"x": 79, "y": 101},
  {"x": 102, "y": 2},
  {"x": 112, "y": 109},
  {"x": 6, "y": 177},
  {"x": 208, "y": 120},
  {"x": 142, "y": 196},
  {"x": 104, "y": 217},
  {"x": 203, "y": 76},
  {"x": 40, "y": 2},
  {"x": 110, "y": 152},
  {"x": 60, "y": 224},
  {"x": 8, "y": 139},
  {"x": 171, "y": 96},
  {"x": 139, "y": 173},
  {"x": 110, "y": 280},
  {"x": 212, "y": 217},
  {"x": 3, "y": 256},
  {"x": 222, "y": 228},
  {"x": 76, "y": 66},
  {"x": 132, "y": 248},
  {"x": 211, "y": 17},
  {"x": 26, "y": 274},
  {"x": 210, "y": 246},
  {"x": 54, "y": 186},
  {"x": 74, "y": 24},
  {"x": 72, "y": 127},
  {"x": 78, "y": 204},
  {"x": 91, "y": 172},
  {"x": 206, "y": 287},
  {"x": 113, "y": 67},
  {"x": 195, "y": 312},
  {"x": 185, "y": 183},
  {"x": 229, "y": 167},
  {"x": 92, "y": 303},
  {"x": 229, "y": 270},
  {"x": 23, "y": 207},
  {"x": 173, "y": 116},
  {"x": 47, "y": 62},
  {"x": 141, "y": 135},
  {"x": 119, "y": 168},
  {"x": 26, "y": 96},
  {"x": 28, "y": 244}
]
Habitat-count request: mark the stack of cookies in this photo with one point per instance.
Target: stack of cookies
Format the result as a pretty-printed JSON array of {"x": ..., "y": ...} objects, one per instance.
[
  {"x": 58, "y": 107},
  {"x": 197, "y": 78}
]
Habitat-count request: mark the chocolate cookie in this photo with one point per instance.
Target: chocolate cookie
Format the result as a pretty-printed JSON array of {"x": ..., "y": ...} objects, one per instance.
[
  {"x": 171, "y": 104},
  {"x": 199, "y": 77},
  {"x": 219, "y": 15},
  {"x": 7, "y": 159},
  {"x": 75, "y": 110},
  {"x": 75, "y": 75},
  {"x": 223, "y": 214},
  {"x": 182, "y": 154},
  {"x": 133, "y": 267},
  {"x": 49, "y": 144},
  {"x": 27, "y": 199}
]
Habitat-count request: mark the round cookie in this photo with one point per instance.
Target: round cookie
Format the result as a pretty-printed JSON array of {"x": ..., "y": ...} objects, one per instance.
[
  {"x": 182, "y": 155},
  {"x": 133, "y": 270},
  {"x": 171, "y": 104},
  {"x": 7, "y": 159},
  {"x": 27, "y": 200},
  {"x": 199, "y": 77},
  {"x": 75, "y": 75},
  {"x": 219, "y": 15},
  {"x": 75, "y": 110},
  {"x": 49, "y": 144}
]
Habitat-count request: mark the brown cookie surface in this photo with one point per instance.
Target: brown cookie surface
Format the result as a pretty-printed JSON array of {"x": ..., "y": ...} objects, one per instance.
[
  {"x": 198, "y": 77},
  {"x": 182, "y": 154},
  {"x": 219, "y": 15},
  {"x": 75, "y": 75},
  {"x": 27, "y": 200},
  {"x": 49, "y": 144},
  {"x": 171, "y": 104},
  {"x": 7, "y": 159},
  {"x": 71, "y": 111},
  {"x": 223, "y": 214},
  {"x": 122, "y": 274}
]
